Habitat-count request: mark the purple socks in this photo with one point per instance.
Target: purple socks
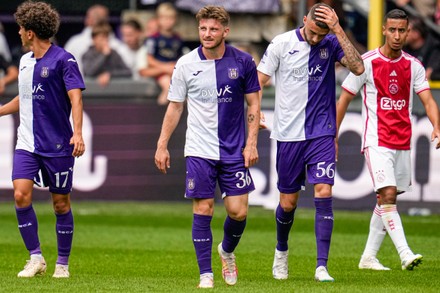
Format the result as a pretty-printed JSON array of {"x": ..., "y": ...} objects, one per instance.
[
  {"x": 323, "y": 228},
  {"x": 64, "y": 230},
  {"x": 202, "y": 239},
  {"x": 232, "y": 233},
  {"x": 284, "y": 221},
  {"x": 28, "y": 227}
]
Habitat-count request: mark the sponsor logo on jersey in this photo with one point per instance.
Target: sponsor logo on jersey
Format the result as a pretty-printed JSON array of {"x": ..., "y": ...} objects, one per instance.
[
  {"x": 21, "y": 69},
  {"x": 323, "y": 53},
  {"x": 71, "y": 60},
  {"x": 393, "y": 73},
  {"x": 197, "y": 73},
  {"x": 293, "y": 52},
  {"x": 387, "y": 103},
  {"x": 233, "y": 73},
  {"x": 44, "y": 71},
  {"x": 36, "y": 92},
  {"x": 217, "y": 95}
]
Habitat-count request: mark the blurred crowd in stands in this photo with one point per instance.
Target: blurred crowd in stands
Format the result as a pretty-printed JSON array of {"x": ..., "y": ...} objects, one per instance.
[{"x": 137, "y": 50}]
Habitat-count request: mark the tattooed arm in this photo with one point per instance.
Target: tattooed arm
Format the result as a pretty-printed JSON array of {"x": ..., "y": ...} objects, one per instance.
[
  {"x": 352, "y": 59},
  {"x": 250, "y": 152}
]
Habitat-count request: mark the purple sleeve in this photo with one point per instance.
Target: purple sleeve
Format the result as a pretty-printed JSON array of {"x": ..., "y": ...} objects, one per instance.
[
  {"x": 251, "y": 78},
  {"x": 71, "y": 74}
]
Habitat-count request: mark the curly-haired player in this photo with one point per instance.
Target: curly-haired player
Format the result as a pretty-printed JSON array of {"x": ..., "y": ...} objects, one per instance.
[{"x": 50, "y": 89}]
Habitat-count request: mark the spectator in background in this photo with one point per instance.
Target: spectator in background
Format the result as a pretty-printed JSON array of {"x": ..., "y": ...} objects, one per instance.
[
  {"x": 4, "y": 47},
  {"x": 78, "y": 44},
  {"x": 132, "y": 37},
  {"x": 422, "y": 45},
  {"x": 163, "y": 49},
  {"x": 100, "y": 60},
  {"x": 425, "y": 8},
  {"x": 151, "y": 27},
  {"x": 8, "y": 73},
  {"x": 143, "y": 70}
]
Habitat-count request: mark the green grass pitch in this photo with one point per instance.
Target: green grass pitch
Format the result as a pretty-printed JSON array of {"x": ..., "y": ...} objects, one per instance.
[{"x": 146, "y": 247}]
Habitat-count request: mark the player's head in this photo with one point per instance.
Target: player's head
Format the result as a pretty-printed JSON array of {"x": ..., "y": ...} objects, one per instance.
[
  {"x": 395, "y": 29},
  {"x": 213, "y": 26},
  {"x": 315, "y": 30},
  {"x": 38, "y": 19}
]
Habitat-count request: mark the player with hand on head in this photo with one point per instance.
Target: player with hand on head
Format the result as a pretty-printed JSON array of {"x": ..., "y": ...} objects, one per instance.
[
  {"x": 391, "y": 75},
  {"x": 216, "y": 80},
  {"x": 303, "y": 63},
  {"x": 50, "y": 89}
]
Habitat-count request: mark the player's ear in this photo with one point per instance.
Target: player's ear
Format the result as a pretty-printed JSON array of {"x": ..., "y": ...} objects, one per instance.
[{"x": 226, "y": 32}]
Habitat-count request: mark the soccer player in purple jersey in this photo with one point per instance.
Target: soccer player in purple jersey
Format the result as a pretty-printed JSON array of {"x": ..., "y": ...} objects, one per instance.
[
  {"x": 303, "y": 63},
  {"x": 50, "y": 89},
  {"x": 215, "y": 80}
]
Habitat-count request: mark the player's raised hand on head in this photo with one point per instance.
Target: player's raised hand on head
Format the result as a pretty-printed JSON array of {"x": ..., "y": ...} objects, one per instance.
[
  {"x": 327, "y": 16},
  {"x": 78, "y": 145},
  {"x": 162, "y": 160}
]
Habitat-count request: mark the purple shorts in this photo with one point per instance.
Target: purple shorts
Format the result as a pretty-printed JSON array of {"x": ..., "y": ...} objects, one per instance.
[
  {"x": 55, "y": 172},
  {"x": 314, "y": 156},
  {"x": 202, "y": 174}
]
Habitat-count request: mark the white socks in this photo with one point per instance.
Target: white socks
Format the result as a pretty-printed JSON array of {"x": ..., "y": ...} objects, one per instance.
[{"x": 376, "y": 234}]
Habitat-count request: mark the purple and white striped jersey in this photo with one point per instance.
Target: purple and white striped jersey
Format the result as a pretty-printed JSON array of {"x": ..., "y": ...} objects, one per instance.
[
  {"x": 305, "y": 86},
  {"x": 215, "y": 91},
  {"x": 45, "y": 107}
]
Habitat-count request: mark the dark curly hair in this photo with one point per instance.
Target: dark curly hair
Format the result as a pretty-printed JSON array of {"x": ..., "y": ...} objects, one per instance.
[{"x": 39, "y": 17}]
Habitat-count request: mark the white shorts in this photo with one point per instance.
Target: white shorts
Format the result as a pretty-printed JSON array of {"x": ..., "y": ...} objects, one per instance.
[{"x": 389, "y": 167}]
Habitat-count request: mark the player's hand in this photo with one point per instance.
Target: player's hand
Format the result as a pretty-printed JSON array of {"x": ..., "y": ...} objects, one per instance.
[
  {"x": 436, "y": 134},
  {"x": 162, "y": 160},
  {"x": 262, "y": 121},
  {"x": 78, "y": 145},
  {"x": 327, "y": 16},
  {"x": 250, "y": 155}
]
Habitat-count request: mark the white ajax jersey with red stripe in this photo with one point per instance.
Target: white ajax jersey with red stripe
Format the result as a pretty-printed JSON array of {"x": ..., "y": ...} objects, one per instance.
[{"x": 387, "y": 88}]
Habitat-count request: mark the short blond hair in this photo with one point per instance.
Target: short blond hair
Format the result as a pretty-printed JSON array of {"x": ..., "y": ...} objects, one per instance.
[
  {"x": 214, "y": 12},
  {"x": 166, "y": 9}
]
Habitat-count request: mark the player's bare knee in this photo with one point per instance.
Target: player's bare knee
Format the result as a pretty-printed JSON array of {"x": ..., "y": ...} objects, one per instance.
[
  {"x": 238, "y": 214},
  {"x": 203, "y": 207},
  {"x": 22, "y": 199},
  {"x": 288, "y": 206},
  {"x": 388, "y": 195}
]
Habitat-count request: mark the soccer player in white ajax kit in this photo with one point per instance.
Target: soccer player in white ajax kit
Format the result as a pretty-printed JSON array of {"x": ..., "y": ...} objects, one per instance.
[
  {"x": 303, "y": 63},
  {"x": 386, "y": 87},
  {"x": 216, "y": 80},
  {"x": 50, "y": 89}
]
